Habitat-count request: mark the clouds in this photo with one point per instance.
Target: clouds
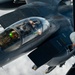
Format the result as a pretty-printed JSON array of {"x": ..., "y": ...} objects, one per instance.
[{"x": 23, "y": 65}]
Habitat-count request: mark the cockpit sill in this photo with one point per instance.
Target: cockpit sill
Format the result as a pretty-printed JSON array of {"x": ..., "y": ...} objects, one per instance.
[{"x": 22, "y": 32}]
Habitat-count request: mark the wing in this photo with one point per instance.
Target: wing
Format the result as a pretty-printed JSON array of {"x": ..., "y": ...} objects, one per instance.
[{"x": 43, "y": 54}]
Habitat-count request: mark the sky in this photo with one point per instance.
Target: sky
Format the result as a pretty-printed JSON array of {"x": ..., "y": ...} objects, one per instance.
[{"x": 23, "y": 65}]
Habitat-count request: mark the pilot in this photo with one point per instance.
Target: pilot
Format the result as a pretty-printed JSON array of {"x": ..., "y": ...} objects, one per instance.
[{"x": 33, "y": 25}]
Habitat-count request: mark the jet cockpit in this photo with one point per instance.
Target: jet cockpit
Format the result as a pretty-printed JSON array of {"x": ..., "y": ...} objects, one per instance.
[{"x": 22, "y": 32}]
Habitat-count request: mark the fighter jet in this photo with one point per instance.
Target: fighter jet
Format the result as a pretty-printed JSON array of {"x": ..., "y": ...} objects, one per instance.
[{"x": 42, "y": 27}]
